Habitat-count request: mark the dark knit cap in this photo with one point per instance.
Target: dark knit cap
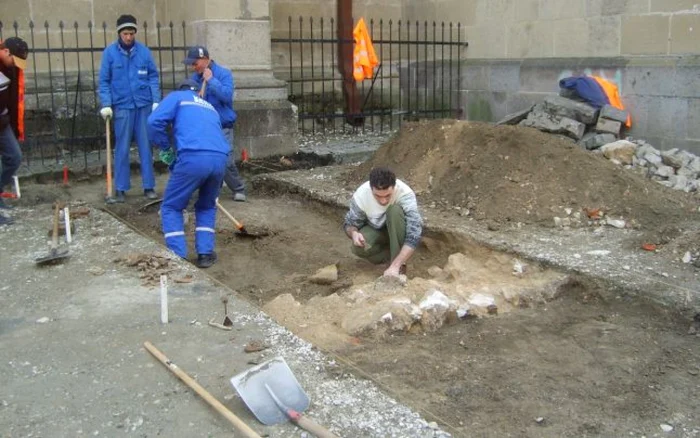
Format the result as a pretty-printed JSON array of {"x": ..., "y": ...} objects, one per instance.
[
  {"x": 126, "y": 21},
  {"x": 188, "y": 84}
]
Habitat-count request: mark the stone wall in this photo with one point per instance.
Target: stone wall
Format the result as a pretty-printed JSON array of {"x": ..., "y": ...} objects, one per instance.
[{"x": 515, "y": 29}]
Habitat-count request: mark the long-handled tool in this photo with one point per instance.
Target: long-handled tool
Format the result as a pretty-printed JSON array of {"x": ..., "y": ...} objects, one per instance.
[
  {"x": 274, "y": 395},
  {"x": 239, "y": 226},
  {"x": 54, "y": 254},
  {"x": 109, "y": 197},
  {"x": 213, "y": 402},
  {"x": 227, "y": 321}
]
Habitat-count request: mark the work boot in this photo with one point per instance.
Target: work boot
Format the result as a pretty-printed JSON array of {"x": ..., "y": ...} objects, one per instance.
[
  {"x": 150, "y": 194},
  {"x": 205, "y": 261},
  {"x": 239, "y": 197},
  {"x": 119, "y": 198},
  {"x": 4, "y": 220},
  {"x": 3, "y": 205}
]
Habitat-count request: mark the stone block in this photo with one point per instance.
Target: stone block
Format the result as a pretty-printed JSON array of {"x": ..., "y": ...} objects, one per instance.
[
  {"x": 554, "y": 124},
  {"x": 608, "y": 126},
  {"x": 579, "y": 111},
  {"x": 530, "y": 40},
  {"x": 504, "y": 77},
  {"x": 592, "y": 141},
  {"x": 645, "y": 34},
  {"x": 621, "y": 151},
  {"x": 616, "y": 7},
  {"x": 671, "y": 5},
  {"x": 684, "y": 35},
  {"x": 515, "y": 118},
  {"x": 611, "y": 113}
]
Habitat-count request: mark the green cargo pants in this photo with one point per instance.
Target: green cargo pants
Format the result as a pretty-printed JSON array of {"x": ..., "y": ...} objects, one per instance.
[{"x": 384, "y": 245}]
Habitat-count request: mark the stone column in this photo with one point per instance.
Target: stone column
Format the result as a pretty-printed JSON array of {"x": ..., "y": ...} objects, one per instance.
[{"x": 237, "y": 35}]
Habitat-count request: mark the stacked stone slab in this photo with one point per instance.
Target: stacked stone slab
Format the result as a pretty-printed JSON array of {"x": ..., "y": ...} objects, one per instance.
[{"x": 575, "y": 119}]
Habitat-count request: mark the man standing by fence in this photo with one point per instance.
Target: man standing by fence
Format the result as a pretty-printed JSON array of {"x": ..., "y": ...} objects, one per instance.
[
  {"x": 129, "y": 91},
  {"x": 13, "y": 60},
  {"x": 216, "y": 87}
]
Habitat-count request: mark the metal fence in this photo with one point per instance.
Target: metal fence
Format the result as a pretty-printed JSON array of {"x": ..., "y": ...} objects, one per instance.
[
  {"x": 61, "y": 99},
  {"x": 418, "y": 76}
]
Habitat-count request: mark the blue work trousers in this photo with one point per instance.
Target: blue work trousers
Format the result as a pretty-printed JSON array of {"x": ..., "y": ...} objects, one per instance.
[
  {"x": 203, "y": 171},
  {"x": 11, "y": 155},
  {"x": 232, "y": 178},
  {"x": 129, "y": 125}
]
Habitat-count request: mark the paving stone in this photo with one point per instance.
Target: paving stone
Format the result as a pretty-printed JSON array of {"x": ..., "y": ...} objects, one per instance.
[
  {"x": 612, "y": 113},
  {"x": 579, "y": 111},
  {"x": 608, "y": 126}
]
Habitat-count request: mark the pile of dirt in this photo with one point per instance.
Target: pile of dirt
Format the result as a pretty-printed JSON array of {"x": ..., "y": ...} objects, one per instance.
[{"x": 517, "y": 174}]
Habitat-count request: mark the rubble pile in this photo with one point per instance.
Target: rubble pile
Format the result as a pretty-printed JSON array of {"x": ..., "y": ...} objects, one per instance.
[{"x": 600, "y": 131}]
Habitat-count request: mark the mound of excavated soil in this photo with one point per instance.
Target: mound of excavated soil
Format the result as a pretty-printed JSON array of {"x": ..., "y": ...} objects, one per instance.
[{"x": 517, "y": 174}]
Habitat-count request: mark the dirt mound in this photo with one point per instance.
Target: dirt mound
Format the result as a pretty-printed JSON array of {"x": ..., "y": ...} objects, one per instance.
[{"x": 517, "y": 174}]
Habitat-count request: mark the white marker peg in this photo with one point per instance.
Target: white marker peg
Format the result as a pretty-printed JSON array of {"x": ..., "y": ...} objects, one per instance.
[
  {"x": 164, "y": 299},
  {"x": 66, "y": 216},
  {"x": 16, "y": 180}
]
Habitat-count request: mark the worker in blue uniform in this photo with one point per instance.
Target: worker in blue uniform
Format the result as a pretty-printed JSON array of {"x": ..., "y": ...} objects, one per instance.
[
  {"x": 199, "y": 163},
  {"x": 129, "y": 90},
  {"x": 217, "y": 87}
]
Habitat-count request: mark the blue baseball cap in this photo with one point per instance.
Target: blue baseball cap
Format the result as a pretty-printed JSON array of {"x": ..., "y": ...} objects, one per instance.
[{"x": 195, "y": 53}]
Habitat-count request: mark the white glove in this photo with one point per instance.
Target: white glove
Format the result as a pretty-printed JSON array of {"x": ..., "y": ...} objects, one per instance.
[
  {"x": 155, "y": 105},
  {"x": 106, "y": 113}
]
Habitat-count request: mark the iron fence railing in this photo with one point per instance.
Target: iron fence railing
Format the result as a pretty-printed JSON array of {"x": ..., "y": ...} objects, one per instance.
[
  {"x": 418, "y": 76},
  {"x": 61, "y": 82}
]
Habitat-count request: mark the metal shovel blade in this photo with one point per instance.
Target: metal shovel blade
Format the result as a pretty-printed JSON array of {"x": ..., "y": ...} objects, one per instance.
[
  {"x": 55, "y": 255},
  {"x": 252, "y": 386}
]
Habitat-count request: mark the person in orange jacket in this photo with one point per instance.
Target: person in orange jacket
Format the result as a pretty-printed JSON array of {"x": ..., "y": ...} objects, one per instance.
[{"x": 13, "y": 60}]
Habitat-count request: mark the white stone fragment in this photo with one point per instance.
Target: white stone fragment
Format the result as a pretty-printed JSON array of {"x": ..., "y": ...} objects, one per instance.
[
  {"x": 687, "y": 258},
  {"x": 666, "y": 427}
]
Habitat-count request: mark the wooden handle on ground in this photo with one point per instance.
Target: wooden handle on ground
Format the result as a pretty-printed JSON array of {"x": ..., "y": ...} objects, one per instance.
[
  {"x": 315, "y": 428},
  {"x": 108, "y": 133},
  {"x": 54, "y": 231},
  {"x": 189, "y": 381},
  {"x": 237, "y": 224}
]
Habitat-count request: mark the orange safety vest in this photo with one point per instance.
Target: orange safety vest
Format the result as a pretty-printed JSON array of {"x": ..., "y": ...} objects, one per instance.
[
  {"x": 613, "y": 95},
  {"x": 364, "y": 58},
  {"x": 20, "y": 104}
]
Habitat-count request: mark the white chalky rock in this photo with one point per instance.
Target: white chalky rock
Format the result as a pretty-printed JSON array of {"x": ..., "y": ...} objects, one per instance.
[
  {"x": 666, "y": 427},
  {"x": 687, "y": 258},
  {"x": 617, "y": 223},
  {"x": 43, "y": 320}
]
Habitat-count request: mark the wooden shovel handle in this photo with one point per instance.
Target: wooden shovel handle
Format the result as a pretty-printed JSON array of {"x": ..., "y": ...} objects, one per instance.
[
  {"x": 108, "y": 134},
  {"x": 189, "y": 381},
  {"x": 237, "y": 224},
  {"x": 313, "y": 427}
]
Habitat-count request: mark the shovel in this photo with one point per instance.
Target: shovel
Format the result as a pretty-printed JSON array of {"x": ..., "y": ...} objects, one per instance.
[
  {"x": 54, "y": 253},
  {"x": 274, "y": 395},
  {"x": 239, "y": 226},
  {"x": 109, "y": 197}
]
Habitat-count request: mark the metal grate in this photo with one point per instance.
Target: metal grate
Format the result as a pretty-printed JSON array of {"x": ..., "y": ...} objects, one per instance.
[{"x": 419, "y": 74}]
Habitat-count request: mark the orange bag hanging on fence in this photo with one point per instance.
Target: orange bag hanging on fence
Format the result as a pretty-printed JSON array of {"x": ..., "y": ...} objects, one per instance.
[{"x": 364, "y": 57}]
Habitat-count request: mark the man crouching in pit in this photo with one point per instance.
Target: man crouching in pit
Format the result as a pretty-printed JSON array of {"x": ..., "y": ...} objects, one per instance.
[{"x": 383, "y": 221}]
